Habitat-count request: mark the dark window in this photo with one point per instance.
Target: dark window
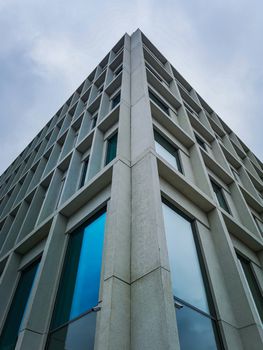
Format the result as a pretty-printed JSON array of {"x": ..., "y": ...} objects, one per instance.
[
  {"x": 111, "y": 148},
  {"x": 94, "y": 121},
  {"x": 115, "y": 101},
  {"x": 252, "y": 284},
  {"x": 84, "y": 168},
  {"x": 200, "y": 142},
  {"x": 16, "y": 312},
  {"x": 117, "y": 71},
  {"x": 159, "y": 103},
  {"x": 74, "y": 319},
  {"x": 194, "y": 309},
  {"x": 167, "y": 151},
  {"x": 220, "y": 196},
  {"x": 100, "y": 89}
]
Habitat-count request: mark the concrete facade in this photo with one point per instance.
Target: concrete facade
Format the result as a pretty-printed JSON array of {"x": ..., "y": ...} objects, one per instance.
[{"x": 136, "y": 299}]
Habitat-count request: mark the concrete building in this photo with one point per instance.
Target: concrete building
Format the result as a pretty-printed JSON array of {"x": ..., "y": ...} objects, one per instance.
[{"x": 133, "y": 220}]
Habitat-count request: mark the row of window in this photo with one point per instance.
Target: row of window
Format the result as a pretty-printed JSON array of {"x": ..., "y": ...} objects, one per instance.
[
  {"x": 170, "y": 153},
  {"x": 74, "y": 316}
]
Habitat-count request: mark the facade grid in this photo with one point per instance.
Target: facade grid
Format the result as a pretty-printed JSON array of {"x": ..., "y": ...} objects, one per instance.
[{"x": 133, "y": 220}]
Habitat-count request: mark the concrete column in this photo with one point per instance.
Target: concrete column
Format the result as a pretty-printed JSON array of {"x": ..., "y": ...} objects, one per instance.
[
  {"x": 153, "y": 323},
  {"x": 243, "y": 318},
  {"x": 39, "y": 310}
]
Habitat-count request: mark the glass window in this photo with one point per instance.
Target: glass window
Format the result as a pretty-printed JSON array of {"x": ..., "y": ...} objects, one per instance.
[
  {"x": 115, "y": 101},
  {"x": 17, "y": 310},
  {"x": 117, "y": 70},
  {"x": 73, "y": 321},
  {"x": 200, "y": 142},
  {"x": 159, "y": 103},
  {"x": 111, "y": 148},
  {"x": 84, "y": 168},
  {"x": 167, "y": 151},
  {"x": 62, "y": 184},
  {"x": 252, "y": 284},
  {"x": 195, "y": 317},
  {"x": 94, "y": 121},
  {"x": 220, "y": 196},
  {"x": 235, "y": 174}
]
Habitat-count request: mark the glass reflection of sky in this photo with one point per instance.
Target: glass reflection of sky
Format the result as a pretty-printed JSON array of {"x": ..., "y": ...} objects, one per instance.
[
  {"x": 86, "y": 292},
  {"x": 186, "y": 275},
  {"x": 166, "y": 155},
  {"x": 195, "y": 330}
]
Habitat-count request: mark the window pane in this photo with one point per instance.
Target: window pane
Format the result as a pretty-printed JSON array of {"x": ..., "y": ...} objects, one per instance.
[
  {"x": 78, "y": 335},
  {"x": 116, "y": 101},
  {"x": 200, "y": 142},
  {"x": 253, "y": 285},
  {"x": 111, "y": 148},
  {"x": 195, "y": 330},
  {"x": 84, "y": 169},
  {"x": 18, "y": 307},
  {"x": 159, "y": 102},
  {"x": 79, "y": 287},
  {"x": 167, "y": 151},
  {"x": 220, "y": 197},
  {"x": 187, "y": 280}
]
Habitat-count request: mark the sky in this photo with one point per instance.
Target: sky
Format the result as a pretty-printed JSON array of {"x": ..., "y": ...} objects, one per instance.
[{"x": 49, "y": 47}]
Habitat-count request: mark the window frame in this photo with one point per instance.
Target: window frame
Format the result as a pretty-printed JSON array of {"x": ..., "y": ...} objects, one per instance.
[
  {"x": 241, "y": 257},
  {"x": 112, "y": 97},
  {"x": 105, "y": 148},
  {"x": 201, "y": 142},
  {"x": 177, "y": 150},
  {"x": 221, "y": 190},
  {"x": 166, "y": 109},
  {"x": 103, "y": 208},
  {"x": 213, "y": 316}
]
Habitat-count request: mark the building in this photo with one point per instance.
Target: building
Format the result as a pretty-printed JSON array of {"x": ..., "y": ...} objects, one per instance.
[{"x": 133, "y": 220}]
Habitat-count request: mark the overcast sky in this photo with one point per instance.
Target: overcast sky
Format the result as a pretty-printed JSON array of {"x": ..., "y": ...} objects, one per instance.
[{"x": 49, "y": 47}]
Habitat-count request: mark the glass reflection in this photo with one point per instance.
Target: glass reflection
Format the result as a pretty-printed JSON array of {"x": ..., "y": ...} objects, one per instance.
[
  {"x": 18, "y": 307},
  {"x": 166, "y": 155},
  {"x": 77, "y": 335},
  {"x": 79, "y": 287},
  {"x": 186, "y": 274},
  {"x": 195, "y": 330}
]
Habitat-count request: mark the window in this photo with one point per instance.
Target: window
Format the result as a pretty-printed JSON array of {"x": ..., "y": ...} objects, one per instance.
[
  {"x": 200, "y": 142},
  {"x": 259, "y": 223},
  {"x": 153, "y": 71},
  {"x": 62, "y": 184},
  {"x": 84, "y": 168},
  {"x": 235, "y": 174},
  {"x": 73, "y": 321},
  {"x": 111, "y": 148},
  {"x": 94, "y": 121},
  {"x": 18, "y": 306},
  {"x": 252, "y": 284},
  {"x": 117, "y": 70},
  {"x": 100, "y": 89},
  {"x": 167, "y": 151},
  {"x": 159, "y": 103},
  {"x": 115, "y": 100},
  {"x": 194, "y": 310},
  {"x": 220, "y": 196}
]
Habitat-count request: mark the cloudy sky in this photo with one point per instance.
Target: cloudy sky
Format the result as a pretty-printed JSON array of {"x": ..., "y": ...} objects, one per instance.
[{"x": 49, "y": 47}]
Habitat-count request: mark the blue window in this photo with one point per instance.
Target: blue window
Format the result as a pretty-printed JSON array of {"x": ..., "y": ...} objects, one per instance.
[
  {"x": 73, "y": 322},
  {"x": 194, "y": 311},
  {"x": 18, "y": 306}
]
